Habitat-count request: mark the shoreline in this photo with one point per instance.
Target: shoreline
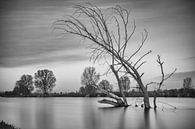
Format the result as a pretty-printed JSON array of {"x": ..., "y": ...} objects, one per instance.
[{"x": 189, "y": 93}]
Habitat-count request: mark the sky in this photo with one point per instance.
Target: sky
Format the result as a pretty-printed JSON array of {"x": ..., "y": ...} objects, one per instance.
[{"x": 29, "y": 44}]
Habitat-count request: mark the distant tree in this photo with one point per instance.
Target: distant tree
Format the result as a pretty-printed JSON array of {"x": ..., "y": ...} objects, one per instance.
[
  {"x": 89, "y": 79},
  {"x": 38, "y": 91},
  {"x": 125, "y": 82},
  {"x": 82, "y": 90},
  {"x": 24, "y": 86},
  {"x": 187, "y": 83},
  {"x": 105, "y": 84},
  {"x": 45, "y": 80},
  {"x": 90, "y": 90}
]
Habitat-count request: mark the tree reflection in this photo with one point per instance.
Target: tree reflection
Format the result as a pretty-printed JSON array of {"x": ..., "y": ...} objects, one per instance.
[
  {"x": 121, "y": 115},
  {"x": 147, "y": 118},
  {"x": 116, "y": 118},
  {"x": 95, "y": 117}
]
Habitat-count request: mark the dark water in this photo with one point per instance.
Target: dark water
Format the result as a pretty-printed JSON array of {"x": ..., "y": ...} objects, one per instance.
[{"x": 86, "y": 113}]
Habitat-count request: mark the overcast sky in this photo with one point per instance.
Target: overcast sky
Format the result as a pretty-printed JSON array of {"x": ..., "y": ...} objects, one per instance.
[{"x": 28, "y": 43}]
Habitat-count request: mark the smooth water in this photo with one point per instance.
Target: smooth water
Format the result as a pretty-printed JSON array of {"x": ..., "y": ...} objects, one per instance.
[{"x": 86, "y": 113}]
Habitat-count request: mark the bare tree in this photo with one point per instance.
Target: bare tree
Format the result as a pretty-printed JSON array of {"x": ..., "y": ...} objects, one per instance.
[
  {"x": 110, "y": 35},
  {"x": 163, "y": 79}
]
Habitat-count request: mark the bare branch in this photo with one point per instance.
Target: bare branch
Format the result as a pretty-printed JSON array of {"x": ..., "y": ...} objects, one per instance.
[
  {"x": 142, "y": 43},
  {"x": 142, "y": 57},
  {"x": 163, "y": 78},
  {"x": 170, "y": 74},
  {"x": 140, "y": 65}
]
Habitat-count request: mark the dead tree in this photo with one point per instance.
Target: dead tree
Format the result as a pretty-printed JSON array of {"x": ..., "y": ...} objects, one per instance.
[
  {"x": 163, "y": 79},
  {"x": 110, "y": 35}
]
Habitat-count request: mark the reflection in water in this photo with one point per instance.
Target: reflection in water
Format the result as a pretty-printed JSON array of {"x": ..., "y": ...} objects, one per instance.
[
  {"x": 158, "y": 122},
  {"x": 116, "y": 118},
  {"x": 44, "y": 118},
  {"x": 147, "y": 118},
  {"x": 120, "y": 118},
  {"x": 86, "y": 113},
  {"x": 104, "y": 117}
]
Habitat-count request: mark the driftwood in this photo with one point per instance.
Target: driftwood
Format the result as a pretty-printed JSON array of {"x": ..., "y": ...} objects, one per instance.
[
  {"x": 106, "y": 101},
  {"x": 118, "y": 101}
]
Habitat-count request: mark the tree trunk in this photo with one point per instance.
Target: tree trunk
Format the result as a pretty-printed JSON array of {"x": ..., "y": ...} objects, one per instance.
[
  {"x": 137, "y": 77},
  {"x": 145, "y": 94},
  {"x": 154, "y": 100},
  {"x": 119, "y": 84},
  {"x": 146, "y": 101}
]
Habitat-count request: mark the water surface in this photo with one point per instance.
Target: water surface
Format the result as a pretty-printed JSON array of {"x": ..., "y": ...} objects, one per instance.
[{"x": 86, "y": 113}]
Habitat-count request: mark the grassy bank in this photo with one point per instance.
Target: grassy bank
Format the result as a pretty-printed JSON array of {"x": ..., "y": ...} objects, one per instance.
[{"x": 4, "y": 125}]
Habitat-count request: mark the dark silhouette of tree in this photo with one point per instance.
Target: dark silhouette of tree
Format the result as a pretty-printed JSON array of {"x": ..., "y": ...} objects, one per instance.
[
  {"x": 105, "y": 84},
  {"x": 89, "y": 79},
  {"x": 24, "y": 86},
  {"x": 45, "y": 80},
  {"x": 125, "y": 82}
]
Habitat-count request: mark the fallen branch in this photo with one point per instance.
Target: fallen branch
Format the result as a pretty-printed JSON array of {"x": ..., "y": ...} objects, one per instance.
[
  {"x": 167, "y": 104},
  {"x": 119, "y": 101},
  {"x": 105, "y": 101}
]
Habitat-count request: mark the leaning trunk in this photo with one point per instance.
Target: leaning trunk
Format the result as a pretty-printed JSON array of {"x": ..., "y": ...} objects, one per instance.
[
  {"x": 145, "y": 94},
  {"x": 146, "y": 100},
  {"x": 118, "y": 101},
  {"x": 119, "y": 84},
  {"x": 128, "y": 67},
  {"x": 154, "y": 100}
]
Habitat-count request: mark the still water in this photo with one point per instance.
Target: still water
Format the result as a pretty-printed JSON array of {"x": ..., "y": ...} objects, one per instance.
[{"x": 86, "y": 113}]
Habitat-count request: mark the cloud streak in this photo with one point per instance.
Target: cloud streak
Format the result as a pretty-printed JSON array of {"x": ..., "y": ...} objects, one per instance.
[{"x": 26, "y": 35}]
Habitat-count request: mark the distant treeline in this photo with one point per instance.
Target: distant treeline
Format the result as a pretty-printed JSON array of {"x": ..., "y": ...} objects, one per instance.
[{"x": 162, "y": 93}]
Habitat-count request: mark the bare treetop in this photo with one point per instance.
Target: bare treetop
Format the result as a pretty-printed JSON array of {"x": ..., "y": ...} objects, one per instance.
[{"x": 111, "y": 33}]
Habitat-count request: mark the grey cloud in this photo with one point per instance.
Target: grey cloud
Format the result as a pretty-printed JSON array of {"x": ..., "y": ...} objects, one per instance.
[
  {"x": 26, "y": 26},
  {"x": 26, "y": 33},
  {"x": 18, "y": 61}
]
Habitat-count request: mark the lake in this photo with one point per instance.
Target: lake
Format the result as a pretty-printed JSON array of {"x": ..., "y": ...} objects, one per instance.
[{"x": 86, "y": 113}]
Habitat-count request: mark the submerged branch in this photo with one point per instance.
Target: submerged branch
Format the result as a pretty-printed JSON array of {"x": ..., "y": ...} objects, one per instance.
[{"x": 106, "y": 101}]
